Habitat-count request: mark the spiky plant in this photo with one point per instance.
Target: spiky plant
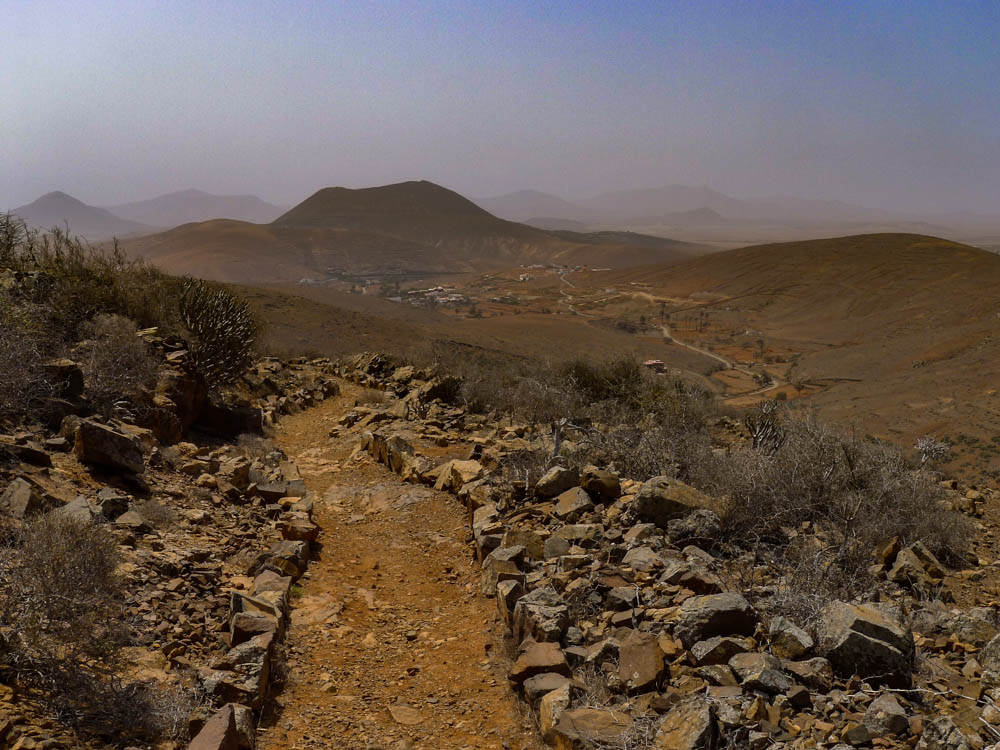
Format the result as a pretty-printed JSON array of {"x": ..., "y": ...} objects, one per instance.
[{"x": 223, "y": 328}]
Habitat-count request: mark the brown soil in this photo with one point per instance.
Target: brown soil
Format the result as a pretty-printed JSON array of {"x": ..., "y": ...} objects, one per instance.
[{"x": 392, "y": 645}]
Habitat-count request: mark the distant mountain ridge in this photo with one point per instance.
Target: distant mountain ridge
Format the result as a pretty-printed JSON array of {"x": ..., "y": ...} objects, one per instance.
[
  {"x": 57, "y": 209},
  {"x": 187, "y": 206},
  {"x": 675, "y": 204},
  {"x": 533, "y": 205}
]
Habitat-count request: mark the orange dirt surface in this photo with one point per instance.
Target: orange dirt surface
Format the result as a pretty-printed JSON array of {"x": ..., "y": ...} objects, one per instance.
[{"x": 392, "y": 645}]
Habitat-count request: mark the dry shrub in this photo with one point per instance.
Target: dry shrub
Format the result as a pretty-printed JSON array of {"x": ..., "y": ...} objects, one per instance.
[
  {"x": 619, "y": 379},
  {"x": 118, "y": 364},
  {"x": 254, "y": 446},
  {"x": 811, "y": 507},
  {"x": 371, "y": 397},
  {"x": 60, "y": 594},
  {"x": 75, "y": 281},
  {"x": 156, "y": 514},
  {"x": 64, "y": 625},
  {"x": 24, "y": 348},
  {"x": 856, "y": 490}
]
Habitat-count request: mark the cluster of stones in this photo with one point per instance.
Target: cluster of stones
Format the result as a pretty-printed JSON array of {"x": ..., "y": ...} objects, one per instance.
[
  {"x": 628, "y": 635},
  {"x": 212, "y": 539}
]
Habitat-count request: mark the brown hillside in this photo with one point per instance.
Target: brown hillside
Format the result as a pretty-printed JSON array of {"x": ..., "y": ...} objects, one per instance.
[
  {"x": 897, "y": 333},
  {"x": 841, "y": 285},
  {"x": 405, "y": 230}
]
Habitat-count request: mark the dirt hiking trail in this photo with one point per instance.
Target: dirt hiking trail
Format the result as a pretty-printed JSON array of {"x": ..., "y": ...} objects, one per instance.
[{"x": 391, "y": 645}]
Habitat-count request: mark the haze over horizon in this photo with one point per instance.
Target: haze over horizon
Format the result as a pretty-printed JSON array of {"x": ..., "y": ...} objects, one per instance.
[{"x": 867, "y": 103}]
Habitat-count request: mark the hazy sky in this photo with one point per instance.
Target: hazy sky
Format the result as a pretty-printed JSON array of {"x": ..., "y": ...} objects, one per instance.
[{"x": 890, "y": 104}]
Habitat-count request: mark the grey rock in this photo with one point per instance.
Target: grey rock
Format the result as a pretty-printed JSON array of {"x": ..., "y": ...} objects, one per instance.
[
  {"x": 717, "y": 650},
  {"x": 760, "y": 671},
  {"x": 942, "y": 734},
  {"x": 788, "y": 640},
  {"x": 702, "y": 617},
  {"x": 78, "y": 510},
  {"x": 700, "y": 526},
  {"x": 662, "y": 499},
  {"x": 885, "y": 717},
  {"x": 866, "y": 641},
  {"x": 20, "y": 499},
  {"x": 541, "y": 614}
]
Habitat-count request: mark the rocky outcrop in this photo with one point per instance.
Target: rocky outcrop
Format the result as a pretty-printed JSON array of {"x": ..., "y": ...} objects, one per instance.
[{"x": 103, "y": 446}]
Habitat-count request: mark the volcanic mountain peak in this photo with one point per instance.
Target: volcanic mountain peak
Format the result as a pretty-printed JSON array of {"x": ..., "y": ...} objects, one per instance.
[
  {"x": 60, "y": 209},
  {"x": 59, "y": 198},
  {"x": 419, "y": 200}
]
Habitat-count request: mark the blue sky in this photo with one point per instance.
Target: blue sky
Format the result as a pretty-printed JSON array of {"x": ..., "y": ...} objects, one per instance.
[{"x": 889, "y": 104}]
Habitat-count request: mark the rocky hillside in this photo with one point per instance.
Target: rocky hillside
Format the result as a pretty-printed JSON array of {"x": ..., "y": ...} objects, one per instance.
[
  {"x": 208, "y": 535},
  {"x": 634, "y": 627},
  {"x": 636, "y": 613}
]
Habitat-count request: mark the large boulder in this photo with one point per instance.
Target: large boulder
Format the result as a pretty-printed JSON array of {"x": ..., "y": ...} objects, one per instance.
[
  {"x": 101, "y": 445},
  {"x": 663, "y": 499},
  {"x": 219, "y": 732},
  {"x": 556, "y": 481},
  {"x": 688, "y": 726},
  {"x": 20, "y": 499},
  {"x": 602, "y": 484},
  {"x": 541, "y": 614},
  {"x": 641, "y": 664},
  {"x": 580, "y": 728},
  {"x": 702, "y": 617},
  {"x": 867, "y": 641}
]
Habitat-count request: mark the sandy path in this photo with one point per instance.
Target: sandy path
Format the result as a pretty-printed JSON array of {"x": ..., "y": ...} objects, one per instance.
[{"x": 392, "y": 645}]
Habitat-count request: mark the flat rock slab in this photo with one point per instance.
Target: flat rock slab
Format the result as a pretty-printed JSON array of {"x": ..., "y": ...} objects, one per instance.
[{"x": 405, "y": 715}]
